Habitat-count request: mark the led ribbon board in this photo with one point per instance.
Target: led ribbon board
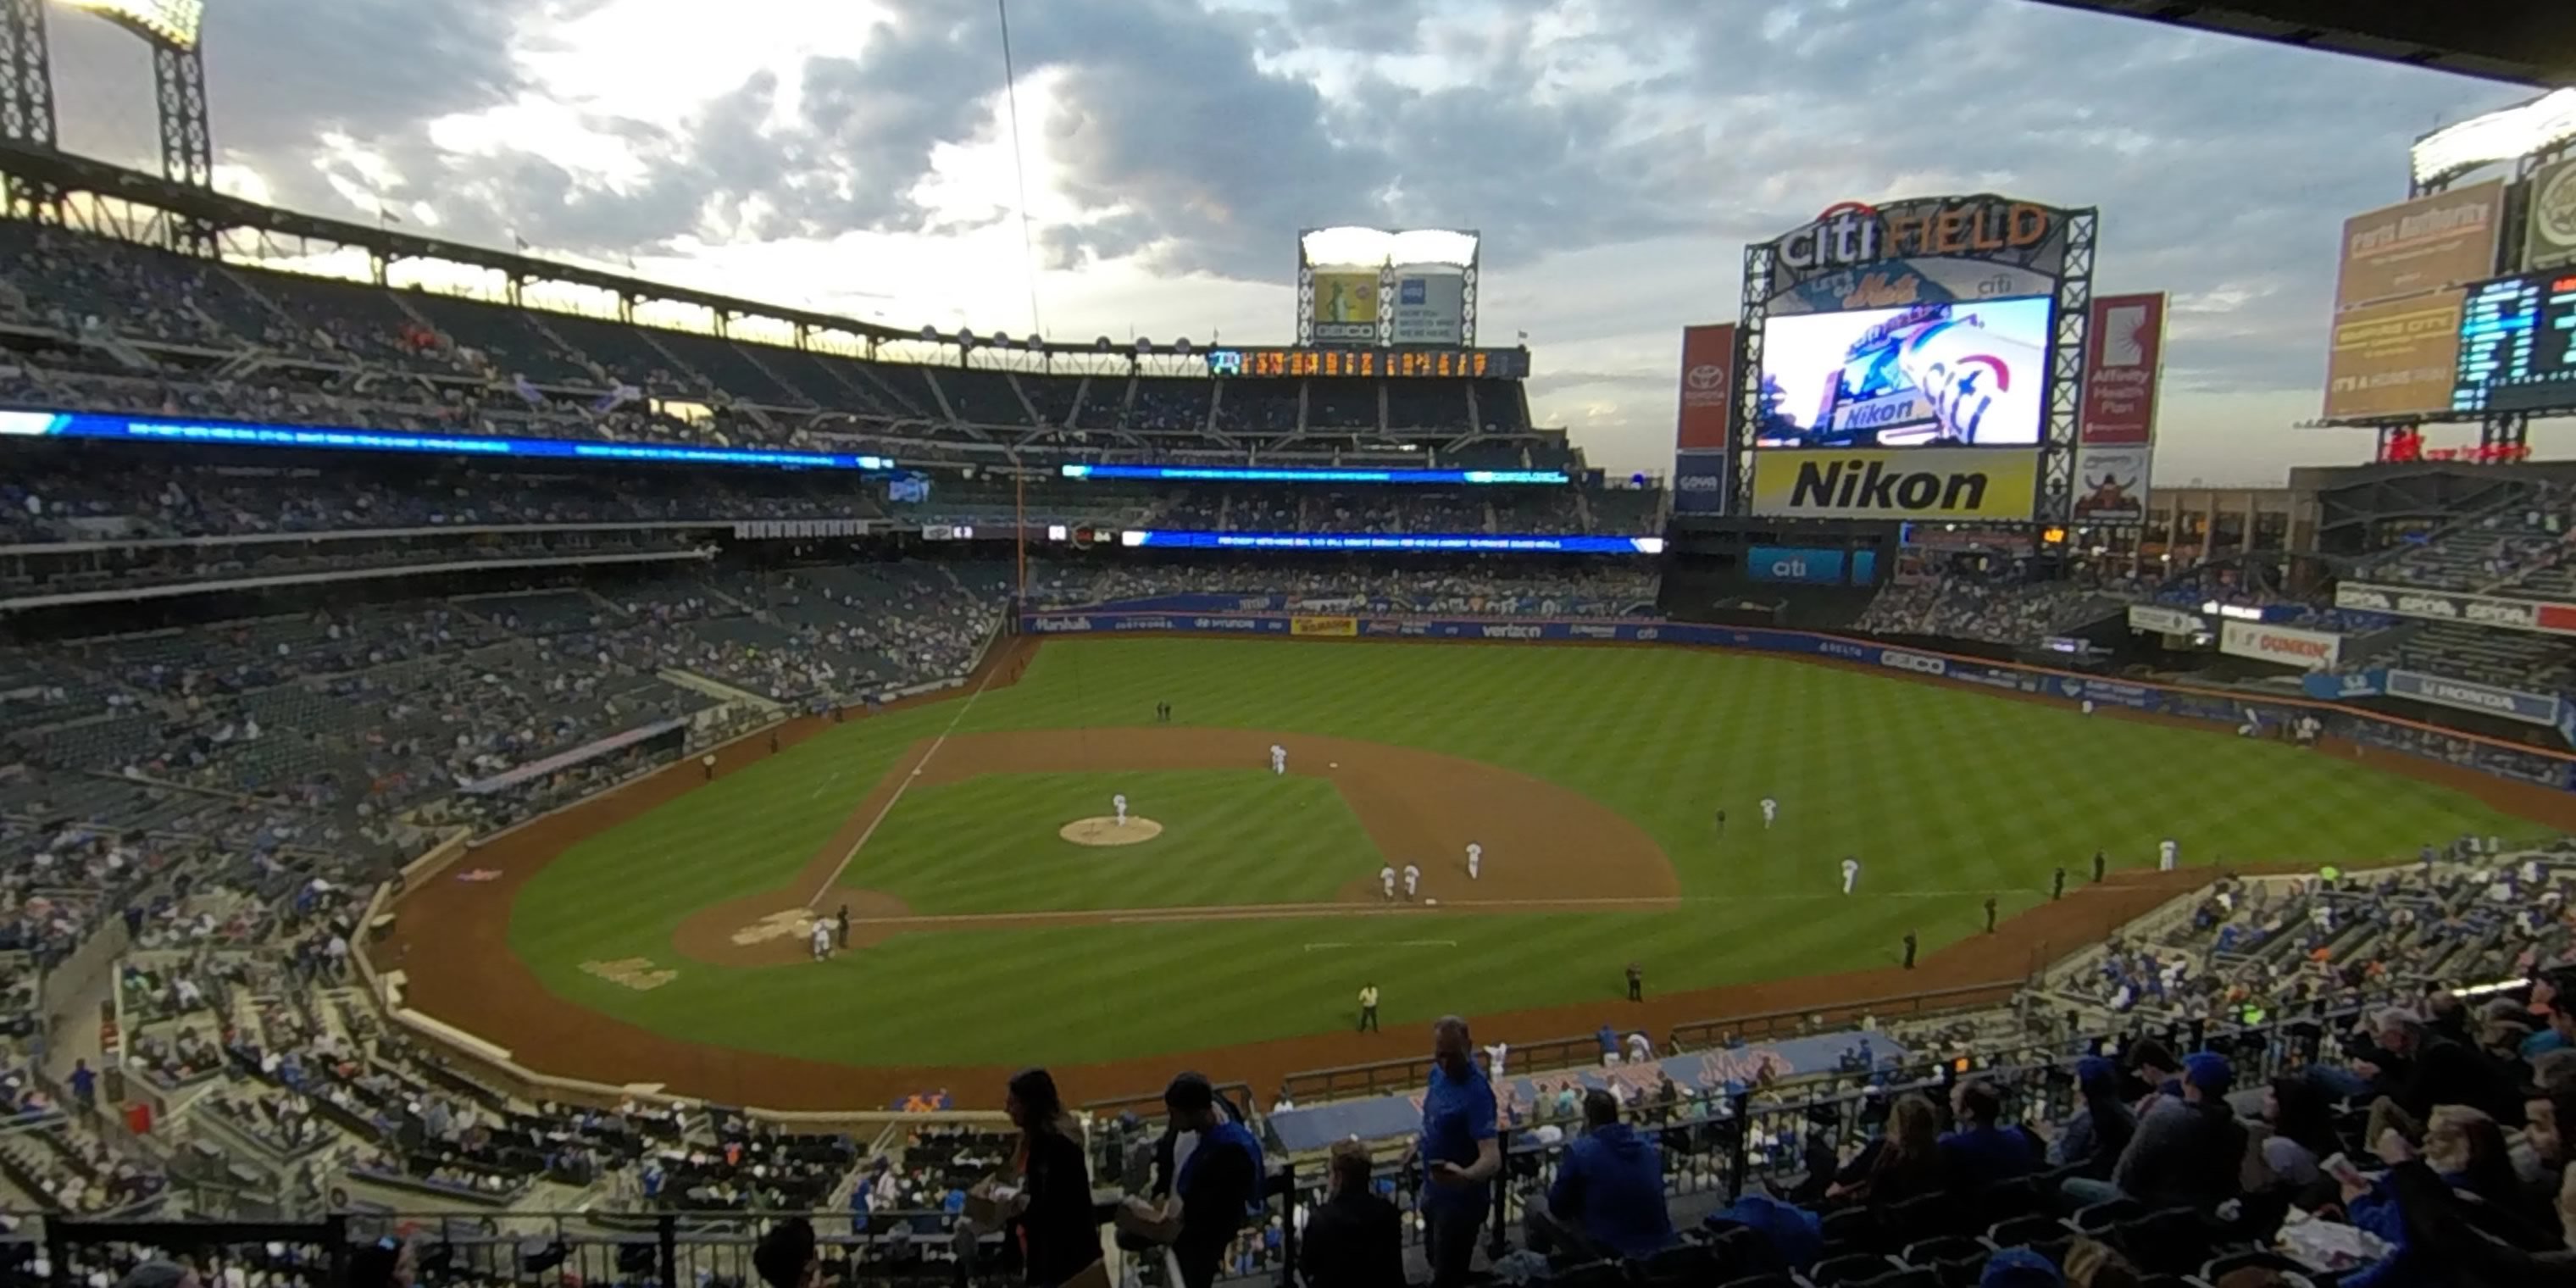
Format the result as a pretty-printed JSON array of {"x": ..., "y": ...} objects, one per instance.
[
  {"x": 1456, "y": 543},
  {"x": 224, "y": 433},
  {"x": 1255, "y": 474}
]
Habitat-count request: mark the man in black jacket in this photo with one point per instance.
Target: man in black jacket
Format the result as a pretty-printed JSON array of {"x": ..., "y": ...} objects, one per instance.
[
  {"x": 1354, "y": 1238},
  {"x": 2417, "y": 1068}
]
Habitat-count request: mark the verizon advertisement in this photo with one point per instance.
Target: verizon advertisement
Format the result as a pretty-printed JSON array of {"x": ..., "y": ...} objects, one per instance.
[{"x": 2287, "y": 645}]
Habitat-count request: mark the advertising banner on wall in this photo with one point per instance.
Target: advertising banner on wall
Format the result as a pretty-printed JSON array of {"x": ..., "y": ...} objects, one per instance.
[
  {"x": 1708, "y": 387},
  {"x": 1346, "y": 306},
  {"x": 2432, "y": 243},
  {"x": 2397, "y": 358},
  {"x": 1900, "y": 483},
  {"x": 1430, "y": 308},
  {"x": 1924, "y": 233},
  {"x": 2287, "y": 645},
  {"x": 2468, "y": 695},
  {"x": 2165, "y": 621},
  {"x": 1701, "y": 481},
  {"x": 2111, "y": 483},
  {"x": 2453, "y": 606},
  {"x": 1812, "y": 567},
  {"x": 2549, "y": 238},
  {"x": 2123, "y": 360}
]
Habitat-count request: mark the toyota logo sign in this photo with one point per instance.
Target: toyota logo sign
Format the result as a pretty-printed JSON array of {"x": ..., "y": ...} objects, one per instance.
[{"x": 1707, "y": 375}]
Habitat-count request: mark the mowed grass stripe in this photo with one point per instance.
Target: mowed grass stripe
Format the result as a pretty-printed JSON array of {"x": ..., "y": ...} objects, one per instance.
[{"x": 1936, "y": 789}]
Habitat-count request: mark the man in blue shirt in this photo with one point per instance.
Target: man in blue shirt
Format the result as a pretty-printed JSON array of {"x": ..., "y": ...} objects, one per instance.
[
  {"x": 1981, "y": 1151},
  {"x": 1460, "y": 1152},
  {"x": 1610, "y": 1187}
]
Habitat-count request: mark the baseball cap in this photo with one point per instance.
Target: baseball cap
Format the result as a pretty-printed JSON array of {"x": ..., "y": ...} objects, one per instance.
[
  {"x": 2096, "y": 1072},
  {"x": 2020, "y": 1268},
  {"x": 2209, "y": 1071},
  {"x": 1189, "y": 1091}
]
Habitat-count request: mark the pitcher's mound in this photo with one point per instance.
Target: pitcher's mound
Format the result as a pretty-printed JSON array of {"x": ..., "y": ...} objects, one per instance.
[{"x": 1109, "y": 831}]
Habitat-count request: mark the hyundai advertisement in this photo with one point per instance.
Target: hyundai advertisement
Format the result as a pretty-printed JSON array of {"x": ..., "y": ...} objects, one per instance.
[{"x": 1964, "y": 373}]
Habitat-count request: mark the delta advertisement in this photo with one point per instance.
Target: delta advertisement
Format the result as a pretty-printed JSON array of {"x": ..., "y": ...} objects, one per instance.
[
  {"x": 2225, "y": 708},
  {"x": 1950, "y": 483},
  {"x": 1430, "y": 309},
  {"x": 1346, "y": 306},
  {"x": 1943, "y": 374},
  {"x": 2288, "y": 645}
]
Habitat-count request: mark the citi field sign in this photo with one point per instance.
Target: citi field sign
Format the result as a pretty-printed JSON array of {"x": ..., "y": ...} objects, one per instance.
[{"x": 1984, "y": 227}]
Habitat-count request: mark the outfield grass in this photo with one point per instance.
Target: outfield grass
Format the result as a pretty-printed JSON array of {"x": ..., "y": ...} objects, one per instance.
[{"x": 1945, "y": 794}]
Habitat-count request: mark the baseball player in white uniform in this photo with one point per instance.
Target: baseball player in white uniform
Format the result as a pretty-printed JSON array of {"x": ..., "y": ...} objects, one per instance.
[
  {"x": 1412, "y": 880},
  {"x": 822, "y": 936},
  {"x": 1278, "y": 759},
  {"x": 1770, "y": 811},
  {"x": 2167, "y": 855},
  {"x": 1495, "y": 1054},
  {"x": 1851, "y": 873},
  {"x": 1386, "y": 877},
  {"x": 1475, "y": 859},
  {"x": 1119, "y": 803}
]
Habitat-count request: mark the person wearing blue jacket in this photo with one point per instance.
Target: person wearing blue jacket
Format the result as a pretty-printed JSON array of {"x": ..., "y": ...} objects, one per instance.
[{"x": 1610, "y": 1186}]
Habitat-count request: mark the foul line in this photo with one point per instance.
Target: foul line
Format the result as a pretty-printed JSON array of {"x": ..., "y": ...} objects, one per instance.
[
  {"x": 902, "y": 787},
  {"x": 1290, "y": 911},
  {"x": 1400, "y": 943}
]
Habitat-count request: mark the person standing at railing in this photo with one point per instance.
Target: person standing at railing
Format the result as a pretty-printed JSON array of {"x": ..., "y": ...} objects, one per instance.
[
  {"x": 1051, "y": 1204},
  {"x": 1460, "y": 1149},
  {"x": 1610, "y": 1187}
]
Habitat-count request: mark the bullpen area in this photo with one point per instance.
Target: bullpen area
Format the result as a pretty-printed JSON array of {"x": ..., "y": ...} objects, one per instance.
[{"x": 1000, "y": 915}]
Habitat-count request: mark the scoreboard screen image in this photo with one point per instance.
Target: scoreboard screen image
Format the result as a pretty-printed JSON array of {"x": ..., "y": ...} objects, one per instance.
[
  {"x": 1967, "y": 373},
  {"x": 2518, "y": 345}
]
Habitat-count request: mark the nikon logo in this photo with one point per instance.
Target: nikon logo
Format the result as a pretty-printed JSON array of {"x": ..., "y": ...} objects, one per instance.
[{"x": 1871, "y": 485}]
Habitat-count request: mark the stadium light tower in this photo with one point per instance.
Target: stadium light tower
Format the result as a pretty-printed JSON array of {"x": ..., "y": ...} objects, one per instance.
[{"x": 172, "y": 28}]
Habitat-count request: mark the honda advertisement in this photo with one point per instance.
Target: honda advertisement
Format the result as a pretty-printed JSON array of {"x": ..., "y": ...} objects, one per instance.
[
  {"x": 2467, "y": 695},
  {"x": 2287, "y": 645}
]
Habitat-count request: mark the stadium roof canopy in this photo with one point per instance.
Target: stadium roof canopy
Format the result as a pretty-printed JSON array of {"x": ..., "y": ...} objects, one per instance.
[{"x": 2528, "y": 41}]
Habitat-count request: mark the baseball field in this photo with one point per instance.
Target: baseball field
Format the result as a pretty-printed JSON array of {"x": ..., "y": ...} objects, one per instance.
[{"x": 1001, "y": 917}]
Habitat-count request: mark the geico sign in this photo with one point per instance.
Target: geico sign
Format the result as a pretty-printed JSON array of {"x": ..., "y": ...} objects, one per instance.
[{"x": 1917, "y": 662}]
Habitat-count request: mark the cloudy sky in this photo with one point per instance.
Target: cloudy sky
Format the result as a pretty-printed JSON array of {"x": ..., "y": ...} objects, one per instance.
[{"x": 855, "y": 156}]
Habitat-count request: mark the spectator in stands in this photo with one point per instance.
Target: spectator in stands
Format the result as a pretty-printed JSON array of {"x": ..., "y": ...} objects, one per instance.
[
  {"x": 1610, "y": 1187},
  {"x": 1216, "y": 1183},
  {"x": 1460, "y": 1152},
  {"x": 1052, "y": 1204},
  {"x": 2092, "y": 1139},
  {"x": 159, "y": 1274},
  {"x": 1904, "y": 1162},
  {"x": 1355, "y": 1238},
  {"x": 386, "y": 1263},
  {"x": 2302, "y": 1129},
  {"x": 2468, "y": 1150},
  {"x": 786, "y": 1257},
  {"x": 1981, "y": 1150},
  {"x": 2187, "y": 1153},
  {"x": 2416, "y": 1068},
  {"x": 2019, "y": 1268}
]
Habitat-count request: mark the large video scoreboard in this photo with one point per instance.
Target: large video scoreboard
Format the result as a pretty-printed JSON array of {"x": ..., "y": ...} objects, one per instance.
[{"x": 2518, "y": 345}]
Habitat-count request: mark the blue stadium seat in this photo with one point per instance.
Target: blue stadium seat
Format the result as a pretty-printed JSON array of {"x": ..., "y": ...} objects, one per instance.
[
  {"x": 1839, "y": 1272},
  {"x": 2099, "y": 1217}
]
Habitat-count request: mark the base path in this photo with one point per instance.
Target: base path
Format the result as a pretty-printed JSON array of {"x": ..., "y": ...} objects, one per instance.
[{"x": 1418, "y": 807}]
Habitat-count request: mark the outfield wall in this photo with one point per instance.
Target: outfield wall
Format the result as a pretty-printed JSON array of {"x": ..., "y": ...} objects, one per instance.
[{"x": 2489, "y": 756}]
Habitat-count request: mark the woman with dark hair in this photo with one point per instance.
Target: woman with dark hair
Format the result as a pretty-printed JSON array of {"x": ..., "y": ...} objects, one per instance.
[
  {"x": 1903, "y": 1162},
  {"x": 2303, "y": 1130},
  {"x": 1059, "y": 1238},
  {"x": 2092, "y": 1139}
]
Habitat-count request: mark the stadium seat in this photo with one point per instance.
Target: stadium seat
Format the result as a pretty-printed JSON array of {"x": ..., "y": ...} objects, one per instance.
[
  {"x": 1922, "y": 1217},
  {"x": 2098, "y": 1217},
  {"x": 2259, "y": 1259},
  {"x": 2003, "y": 1201},
  {"x": 1956, "y": 1258},
  {"x": 1903, "y": 1277},
  {"x": 2045, "y": 1235},
  {"x": 2169, "y": 1241},
  {"x": 1839, "y": 1272},
  {"x": 1853, "y": 1229},
  {"x": 1774, "y": 1279},
  {"x": 1689, "y": 1265}
]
